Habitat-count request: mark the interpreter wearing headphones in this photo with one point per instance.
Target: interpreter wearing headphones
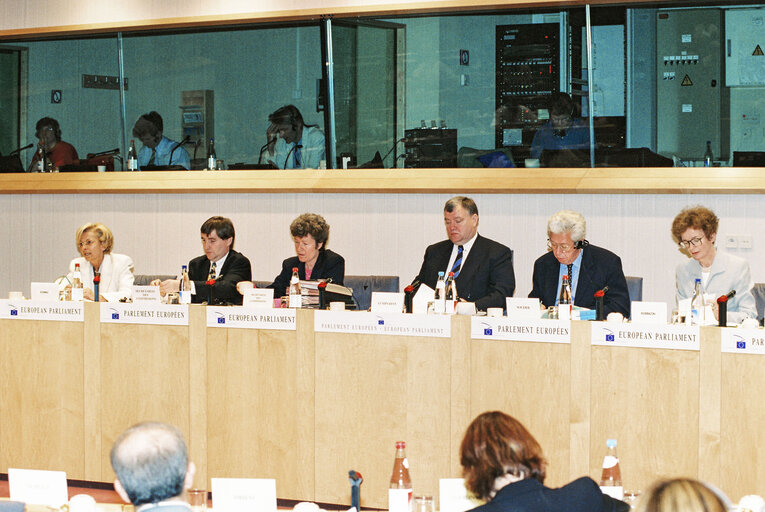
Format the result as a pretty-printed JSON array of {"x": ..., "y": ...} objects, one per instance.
[
  {"x": 158, "y": 149},
  {"x": 563, "y": 130},
  {"x": 58, "y": 152},
  {"x": 589, "y": 268},
  {"x": 292, "y": 144}
]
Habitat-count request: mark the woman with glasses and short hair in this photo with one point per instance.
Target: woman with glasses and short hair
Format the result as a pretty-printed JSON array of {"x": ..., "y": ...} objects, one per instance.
[{"x": 695, "y": 231}]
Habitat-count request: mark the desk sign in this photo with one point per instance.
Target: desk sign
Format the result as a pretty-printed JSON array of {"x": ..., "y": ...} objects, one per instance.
[
  {"x": 44, "y": 291},
  {"x": 742, "y": 341},
  {"x": 145, "y": 293},
  {"x": 679, "y": 337},
  {"x": 648, "y": 312},
  {"x": 244, "y": 494},
  {"x": 523, "y": 309},
  {"x": 41, "y": 310},
  {"x": 503, "y": 328},
  {"x": 148, "y": 313},
  {"x": 260, "y": 298},
  {"x": 387, "y": 302},
  {"x": 247, "y": 317},
  {"x": 38, "y": 487},
  {"x": 393, "y": 324}
]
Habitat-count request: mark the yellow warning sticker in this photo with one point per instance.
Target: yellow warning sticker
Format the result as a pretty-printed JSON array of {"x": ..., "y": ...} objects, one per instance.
[
  {"x": 758, "y": 51},
  {"x": 687, "y": 81}
]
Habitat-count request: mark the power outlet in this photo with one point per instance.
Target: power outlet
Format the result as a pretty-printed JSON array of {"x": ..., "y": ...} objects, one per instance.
[
  {"x": 731, "y": 242},
  {"x": 745, "y": 241}
]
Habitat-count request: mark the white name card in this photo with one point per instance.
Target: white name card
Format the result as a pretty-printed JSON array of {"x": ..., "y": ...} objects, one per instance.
[
  {"x": 149, "y": 313},
  {"x": 260, "y": 298},
  {"x": 246, "y": 317},
  {"x": 649, "y": 312},
  {"x": 41, "y": 310},
  {"x": 503, "y": 328},
  {"x": 145, "y": 293},
  {"x": 38, "y": 487},
  {"x": 523, "y": 309},
  {"x": 387, "y": 302},
  {"x": 244, "y": 494},
  {"x": 420, "y": 300},
  {"x": 679, "y": 337},
  {"x": 44, "y": 291},
  {"x": 454, "y": 497},
  {"x": 743, "y": 341},
  {"x": 393, "y": 324}
]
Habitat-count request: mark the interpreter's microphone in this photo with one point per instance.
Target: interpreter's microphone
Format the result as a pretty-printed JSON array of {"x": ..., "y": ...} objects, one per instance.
[
  {"x": 114, "y": 151},
  {"x": 293, "y": 148},
  {"x": 19, "y": 150},
  {"x": 181, "y": 143},
  {"x": 260, "y": 156}
]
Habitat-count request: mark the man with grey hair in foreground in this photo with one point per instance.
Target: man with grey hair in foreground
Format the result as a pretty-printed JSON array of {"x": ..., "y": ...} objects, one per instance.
[
  {"x": 152, "y": 467},
  {"x": 589, "y": 268}
]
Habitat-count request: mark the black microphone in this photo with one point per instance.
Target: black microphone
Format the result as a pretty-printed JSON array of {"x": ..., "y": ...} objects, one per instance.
[
  {"x": 293, "y": 148},
  {"x": 181, "y": 143},
  {"x": 19, "y": 150},
  {"x": 260, "y": 156},
  {"x": 114, "y": 151},
  {"x": 402, "y": 139}
]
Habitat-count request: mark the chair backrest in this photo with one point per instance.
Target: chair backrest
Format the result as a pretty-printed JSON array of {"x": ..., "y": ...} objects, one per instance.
[
  {"x": 635, "y": 287},
  {"x": 145, "y": 279},
  {"x": 363, "y": 286},
  {"x": 759, "y": 300}
]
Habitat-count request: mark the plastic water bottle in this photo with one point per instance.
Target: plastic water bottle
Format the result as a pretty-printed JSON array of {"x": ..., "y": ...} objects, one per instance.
[
  {"x": 184, "y": 294},
  {"x": 451, "y": 294},
  {"x": 698, "y": 305},
  {"x": 77, "y": 283},
  {"x": 439, "y": 299},
  {"x": 296, "y": 298},
  {"x": 564, "y": 300},
  {"x": 611, "y": 478},
  {"x": 400, "y": 490}
]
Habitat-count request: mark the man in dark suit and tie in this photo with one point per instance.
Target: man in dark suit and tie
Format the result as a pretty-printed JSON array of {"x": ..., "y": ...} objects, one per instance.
[
  {"x": 220, "y": 263},
  {"x": 589, "y": 268},
  {"x": 483, "y": 268}
]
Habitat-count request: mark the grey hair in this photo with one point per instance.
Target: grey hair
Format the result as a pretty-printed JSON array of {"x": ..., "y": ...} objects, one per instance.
[{"x": 567, "y": 221}]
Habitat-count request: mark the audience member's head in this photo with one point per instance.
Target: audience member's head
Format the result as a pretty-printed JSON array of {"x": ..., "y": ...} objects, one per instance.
[
  {"x": 495, "y": 445},
  {"x": 151, "y": 464},
  {"x": 681, "y": 495}
]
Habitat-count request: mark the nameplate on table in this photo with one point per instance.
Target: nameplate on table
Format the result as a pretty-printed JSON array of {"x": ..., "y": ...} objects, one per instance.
[
  {"x": 149, "y": 313},
  {"x": 44, "y": 291},
  {"x": 503, "y": 328},
  {"x": 387, "y": 302},
  {"x": 38, "y": 487},
  {"x": 244, "y": 494},
  {"x": 145, "y": 293},
  {"x": 648, "y": 312},
  {"x": 260, "y": 298},
  {"x": 392, "y": 324},
  {"x": 248, "y": 317},
  {"x": 520, "y": 308},
  {"x": 671, "y": 336},
  {"x": 41, "y": 310},
  {"x": 742, "y": 341}
]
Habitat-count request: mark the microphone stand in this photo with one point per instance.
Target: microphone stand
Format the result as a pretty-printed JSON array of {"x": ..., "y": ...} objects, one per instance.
[
  {"x": 19, "y": 150},
  {"x": 395, "y": 144},
  {"x": 260, "y": 156},
  {"x": 181, "y": 143}
]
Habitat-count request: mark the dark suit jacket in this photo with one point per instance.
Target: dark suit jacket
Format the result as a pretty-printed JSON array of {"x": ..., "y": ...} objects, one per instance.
[
  {"x": 236, "y": 268},
  {"x": 600, "y": 268},
  {"x": 486, "y": 277},
  {"x": 328, "y": 265},
  {"x": 529, "y": 495}
]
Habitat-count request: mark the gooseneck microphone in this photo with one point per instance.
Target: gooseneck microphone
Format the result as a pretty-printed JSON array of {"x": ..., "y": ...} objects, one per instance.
[
  {"x": 114, "y": 151},
  {"x": 19, "y": 150},
  {"x": 395, "y": 143},
  {"x": 260, "y": 156},
  {"x": 181, "y": 143}
]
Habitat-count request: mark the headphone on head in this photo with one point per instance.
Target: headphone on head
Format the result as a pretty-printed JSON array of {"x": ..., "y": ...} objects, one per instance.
[{"x": 581, "y": 244}]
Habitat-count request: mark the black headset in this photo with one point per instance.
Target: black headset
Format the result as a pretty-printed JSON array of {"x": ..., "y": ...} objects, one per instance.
[{"x": 581, "y": 244}]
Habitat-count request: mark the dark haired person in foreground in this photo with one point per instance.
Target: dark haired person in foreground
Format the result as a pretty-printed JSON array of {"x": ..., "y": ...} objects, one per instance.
[
  {"x": 503, "y": 464},
  {"x": 220, "y": 263},
  {"x": 152, "y": 468},
  {"x": 292, "y": 143}
]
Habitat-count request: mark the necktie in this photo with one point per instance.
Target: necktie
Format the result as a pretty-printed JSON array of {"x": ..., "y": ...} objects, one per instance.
[
  {"x": 570, "y": 276},
  {"x": 457, "y": 262},
  {"x": 211, "y": 275},
  {"x": 153, "y": 156},
  {"x": 298, "y": 163}
]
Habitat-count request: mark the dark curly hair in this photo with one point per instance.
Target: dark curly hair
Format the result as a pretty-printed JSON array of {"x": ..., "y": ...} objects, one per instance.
[{"x": 311, "y": 224}]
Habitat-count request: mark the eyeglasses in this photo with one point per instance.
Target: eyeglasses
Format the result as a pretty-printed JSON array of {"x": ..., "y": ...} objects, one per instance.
[
  {"x": 559, "y": 247},
  {"x": 696, "y": 241}
]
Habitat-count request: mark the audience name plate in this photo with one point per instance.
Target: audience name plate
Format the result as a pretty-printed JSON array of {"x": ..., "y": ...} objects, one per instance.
[
  {"x": 742, "y": 341},
  {"x": 261, "y": 298},
  {"x": 522, "y": 308},
  {"x": 387, "y": 302},
  {"x": 44, "y": 291},
  {"x": 392, "y": 324},
  {"x": 503, "y": 328},
  {"x": 648, "y": 312},
  {"x": 144, "y": 313},
  {"x": 247, "y": 317},
  {"x": 244, "y": 494},
  {"x": 145, "y": 293},
  {"x": 38, "y": 487},
  {"x": 678, "y": 337},
  {"x": 41, "y": 310}
]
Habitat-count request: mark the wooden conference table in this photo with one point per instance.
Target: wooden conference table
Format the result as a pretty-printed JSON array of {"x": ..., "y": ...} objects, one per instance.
[{"x": 306, "y": 399}]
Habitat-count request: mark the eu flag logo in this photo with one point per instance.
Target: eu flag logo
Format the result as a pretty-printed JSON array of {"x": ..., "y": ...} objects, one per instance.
[
  {"x": 14, "y": 312},
  {"x": 381, "y": 322},
  {"x": 487, "y": 332},
  {"x": 740, "y": 344},
  {"x": 221, "y": 320},
  {"x": 115, "y": 316},
  {"x": 610, "y": 337}
]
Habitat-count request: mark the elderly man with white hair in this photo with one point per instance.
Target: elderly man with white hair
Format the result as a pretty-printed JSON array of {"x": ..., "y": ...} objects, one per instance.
[{"x": 589, "y": 268}]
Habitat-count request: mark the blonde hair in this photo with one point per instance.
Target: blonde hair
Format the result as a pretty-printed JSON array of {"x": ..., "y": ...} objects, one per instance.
[
  {"x": 102, "y": 232},
  {"x": 682, "y": 495}
]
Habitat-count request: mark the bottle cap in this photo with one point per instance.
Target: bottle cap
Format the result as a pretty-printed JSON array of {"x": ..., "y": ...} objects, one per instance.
[
  {"x": 611, "y": 443},
  {"x": 451, "y": 274},
  {"x": 400, "y": 444},
  {"x": 441, "y": 274},
  {"x": 294, "y": 269}
]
